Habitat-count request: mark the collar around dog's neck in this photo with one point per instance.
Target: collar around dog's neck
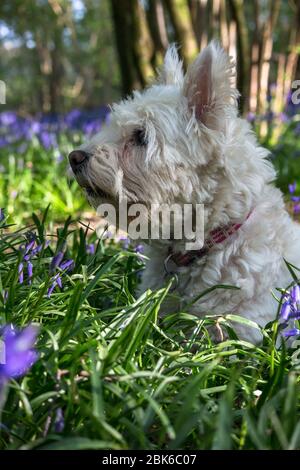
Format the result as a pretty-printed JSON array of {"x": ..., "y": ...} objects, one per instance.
[{"x": 216, "y": 236}]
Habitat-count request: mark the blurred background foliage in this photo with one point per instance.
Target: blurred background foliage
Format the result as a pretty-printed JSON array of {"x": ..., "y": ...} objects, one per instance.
[{"x": 58, "y": 54}]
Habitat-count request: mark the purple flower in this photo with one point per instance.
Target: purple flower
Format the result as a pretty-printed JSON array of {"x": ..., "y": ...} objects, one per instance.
[
  {"x": 292, "y": 188},
  {"x": 290, "y": 310},
  {"x": 59, "y": 422},
  {"x": 58, "y": 281},
  {"x": 2, "y": 216},
  {"x": 295, "y": 198},
  {"x": 125, "y": 242},
  {"x": 35, "y": 127},
  {"x": 67, "y": 265},
  {"x": 90, "y": 248},
  {"x": 19, "y": 353},
  {"x": 295, "y": 294},
  {"x": 48, "y": 139},
  {"x": 139, "y": 249},
  {"x": 291, "y": 306},
  {"x": 21, "y": 273},
  {"x": 39, "y": 248},
  {"x": 29, "y": 246},
  {"x": 291, "y": 332},
  {"x": 29, "y": 269},
  {"x": 51, "y": 289},
  {"x": 285, "y": 310},
  {"x": 284, "y": 117},
  {"x": 296, "y": 209},
  {"x": 251, "y": 117},
  {"x": 56, "y": 260}
]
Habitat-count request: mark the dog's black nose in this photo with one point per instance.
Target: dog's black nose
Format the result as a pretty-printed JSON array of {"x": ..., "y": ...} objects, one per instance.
[{"x": 77, "y": 158}]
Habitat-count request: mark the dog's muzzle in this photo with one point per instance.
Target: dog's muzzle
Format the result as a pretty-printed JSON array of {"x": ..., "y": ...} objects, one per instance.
[{"x": 77, "y": 159}]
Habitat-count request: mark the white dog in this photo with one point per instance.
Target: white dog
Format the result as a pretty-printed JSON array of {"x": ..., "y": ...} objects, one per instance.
[{"x": 181, "y": 141}]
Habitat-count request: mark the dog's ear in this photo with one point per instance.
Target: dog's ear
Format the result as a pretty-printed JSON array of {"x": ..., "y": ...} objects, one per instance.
[
  {"x": 208, "y": 86},
  {"x": 171, "y": 72}
]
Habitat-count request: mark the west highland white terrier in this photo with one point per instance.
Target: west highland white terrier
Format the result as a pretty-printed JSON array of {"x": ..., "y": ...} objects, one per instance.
[{"x": 181, "y": 141}]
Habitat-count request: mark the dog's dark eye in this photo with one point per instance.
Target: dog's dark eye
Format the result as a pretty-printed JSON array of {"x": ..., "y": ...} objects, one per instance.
[{"x": 139, "y": 137}]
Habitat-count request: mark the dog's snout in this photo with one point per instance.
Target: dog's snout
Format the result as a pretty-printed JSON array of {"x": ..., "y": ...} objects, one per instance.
[{"x": 77, "y": 158}]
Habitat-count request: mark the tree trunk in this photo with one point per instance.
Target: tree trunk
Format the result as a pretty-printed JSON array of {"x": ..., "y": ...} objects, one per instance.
[
  {"x": 55, "y": 78},
  {"x": 198, "y": 10},
  {"x": 181, "y": 21},
  {"x": 243, "y": 64},
  {"x": 266, "y": 54},
  {"x": 254, "y": 72},
  {"x": 224, "y": 31},
  {"x": 157, "y": 27},
  {"x": 293, "y": 56},
  {"x": 122, "y": 26}
]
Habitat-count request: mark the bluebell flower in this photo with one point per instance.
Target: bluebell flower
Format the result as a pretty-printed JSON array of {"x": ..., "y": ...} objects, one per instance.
[
  {"x": 284, "y": 117},
  {"x": 29, "y": 245},
  {"x": 291, "y": 332},
  {"x": 59, "y": 422},
  {"x": 67, "y": 265},
  {"x": 39, "y": 248},
  {"x": 290, "y": 310},
  {"x": 251, "y": 117},
  {"x": 139, "y": 249},
  {"x": 29, "y": 250},
  {"x": 56, "y": 260},
  {"x": 29, "y": 270},
  {"x": 21, "y": 273},
  {"x": 48, "y": 139},
  {"x": 285, "y": 310},
  {"x": 90, "y": 248},
  {"x": 19, "y": 352},
  {"x": 125, "y": 242},
  {"x": 58, "y": 280},
  {"x": 295, "y": 294},
  {"x": 292, "y": 187},
  {"x": 296, "y": 209},
  {"x": 51, "y": 289}
]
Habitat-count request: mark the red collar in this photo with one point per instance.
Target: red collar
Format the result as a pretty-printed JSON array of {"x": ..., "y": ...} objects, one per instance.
[{"x": 216, "y": 236}]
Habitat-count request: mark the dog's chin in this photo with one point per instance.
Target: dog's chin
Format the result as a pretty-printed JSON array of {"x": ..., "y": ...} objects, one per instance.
[{"x": 97, "y": 196}]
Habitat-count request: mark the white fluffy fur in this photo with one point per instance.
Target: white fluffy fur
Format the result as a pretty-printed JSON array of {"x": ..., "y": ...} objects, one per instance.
[{"x": 200, "y": 151}]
